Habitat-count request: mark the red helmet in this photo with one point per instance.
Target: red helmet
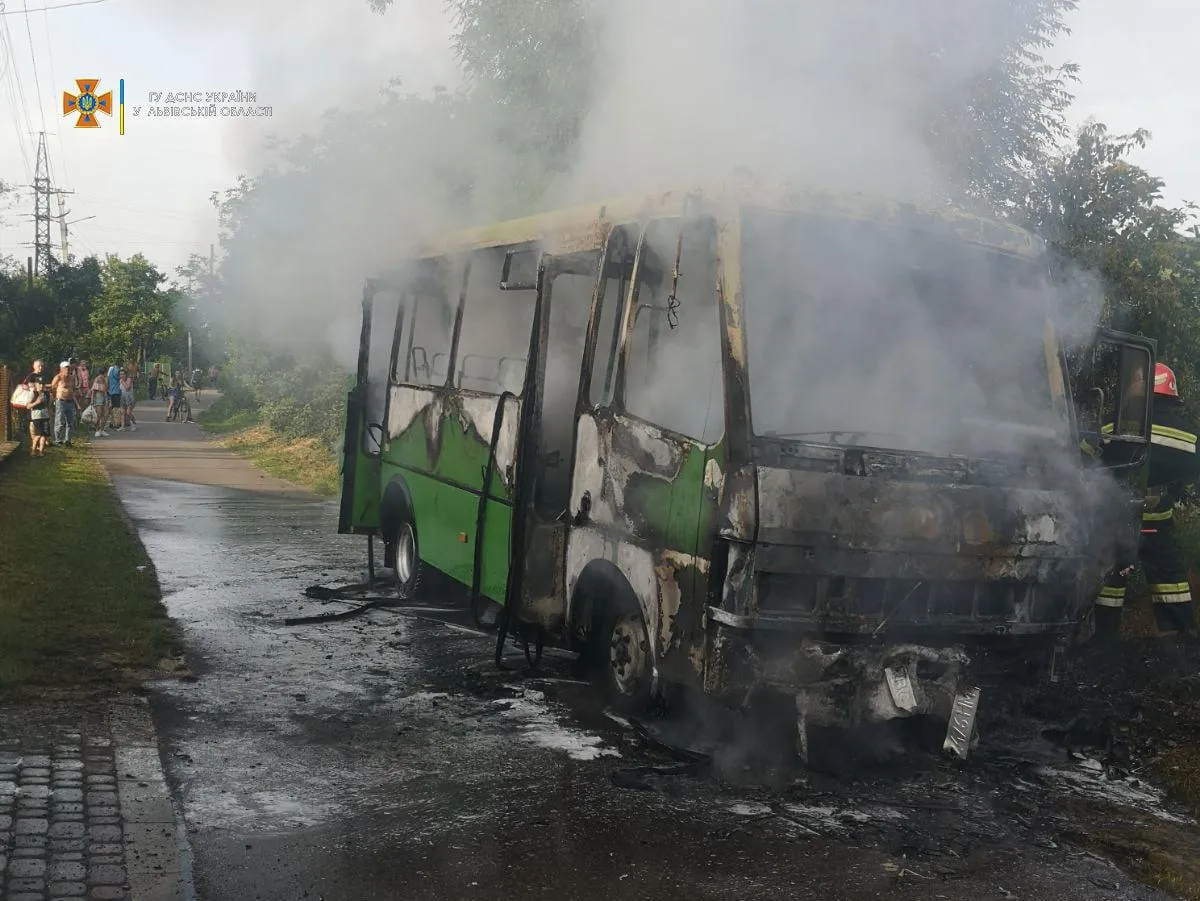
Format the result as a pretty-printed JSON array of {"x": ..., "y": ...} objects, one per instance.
[{"x": 1164, "y": 381}]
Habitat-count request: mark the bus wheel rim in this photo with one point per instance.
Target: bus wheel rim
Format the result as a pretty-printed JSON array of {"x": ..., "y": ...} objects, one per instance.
[
  {"x": 627, "y": 653},
  {"x": 406, "y": 548}
]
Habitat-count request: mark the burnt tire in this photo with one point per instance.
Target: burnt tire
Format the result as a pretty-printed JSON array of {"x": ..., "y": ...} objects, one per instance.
[{"x": 622, "y": 658}]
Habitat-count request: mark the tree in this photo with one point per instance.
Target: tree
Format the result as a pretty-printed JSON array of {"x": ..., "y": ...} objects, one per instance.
[
  {"x": 971, "y": 76},
  {"x": 1102, "y": 214},
  {"x": 132, "y": 314},
  {"x": 74, "y": 288},
  {"x": 54, "y": 309},
  {"x": 993, "y": 134}
]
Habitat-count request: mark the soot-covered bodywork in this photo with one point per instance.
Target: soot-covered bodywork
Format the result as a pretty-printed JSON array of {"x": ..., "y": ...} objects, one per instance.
[
  {"x": 942, "y": 530},
  {"x": 906, "y": 517},
  {"x": 874, "y": 584}
]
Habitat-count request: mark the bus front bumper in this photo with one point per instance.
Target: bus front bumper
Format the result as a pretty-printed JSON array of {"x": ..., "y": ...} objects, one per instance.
[{"x": 844, "y": 685}]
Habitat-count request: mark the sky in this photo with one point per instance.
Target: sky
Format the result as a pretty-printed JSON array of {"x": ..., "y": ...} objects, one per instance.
[{"x": 148, "y": 191}]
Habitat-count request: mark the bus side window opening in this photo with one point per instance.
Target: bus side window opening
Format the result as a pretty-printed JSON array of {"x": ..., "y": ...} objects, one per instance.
[
  {"x": 670, "y": 377},
  {"x": 497, "y": 323}
]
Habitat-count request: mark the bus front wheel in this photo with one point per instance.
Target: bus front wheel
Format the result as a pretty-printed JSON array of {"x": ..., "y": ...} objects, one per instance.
[{"x": 624, "y": 661}]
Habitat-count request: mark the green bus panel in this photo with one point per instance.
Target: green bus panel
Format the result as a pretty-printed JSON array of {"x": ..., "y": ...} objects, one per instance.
[
  {"x": 444, "y": 514},
  {"x": 461, "y": 455},
  {"x": 679, "y": 514}
]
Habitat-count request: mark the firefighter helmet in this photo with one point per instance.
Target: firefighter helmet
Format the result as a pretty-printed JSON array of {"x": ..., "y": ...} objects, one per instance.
[{"x": 1164, "y": 381}]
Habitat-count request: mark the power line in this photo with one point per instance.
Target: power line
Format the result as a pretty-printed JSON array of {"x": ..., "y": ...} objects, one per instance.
[
  {"x": 37, "y": 83},
  {"x": 16, "y": 77},
  {"x": 58, "y": 131},
  {"x": 12, "y": 95},
  {"x": 42, "y": 9},
  {"x": 127, "y": 206}
]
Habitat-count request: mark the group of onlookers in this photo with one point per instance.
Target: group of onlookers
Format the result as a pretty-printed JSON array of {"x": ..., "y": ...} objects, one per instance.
[{"x": 107, "y": 400}]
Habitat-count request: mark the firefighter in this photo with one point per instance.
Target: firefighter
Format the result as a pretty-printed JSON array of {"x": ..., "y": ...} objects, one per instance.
[{"x": 1174, "y": 465}]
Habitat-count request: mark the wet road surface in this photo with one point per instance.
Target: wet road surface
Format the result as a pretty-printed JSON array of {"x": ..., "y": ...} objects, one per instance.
[{"x": 386, "y": 757}]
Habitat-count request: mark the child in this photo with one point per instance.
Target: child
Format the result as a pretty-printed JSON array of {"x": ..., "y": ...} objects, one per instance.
[
  {"x": 99, "y": 390},
  {"x": 174, "y": 394},
  {"x": 127, "y": 402}
]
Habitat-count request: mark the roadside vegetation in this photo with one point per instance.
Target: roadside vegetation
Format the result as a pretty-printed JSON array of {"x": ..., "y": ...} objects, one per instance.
[
  {"x": 286, "y": 420},
  {"x": 80, "y": 606}
]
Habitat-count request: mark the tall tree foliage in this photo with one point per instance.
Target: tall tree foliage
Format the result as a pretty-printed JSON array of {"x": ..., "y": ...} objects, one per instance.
[
  {"x": 994, "y": 134},
  {"x": 534, "y": 62},
  {"x": 134, "y": 313},
  {"x": 46, "y": 318},
  {"x": 1105, "y": 215}
]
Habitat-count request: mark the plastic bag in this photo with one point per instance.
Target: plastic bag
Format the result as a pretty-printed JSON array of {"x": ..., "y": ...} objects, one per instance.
[
  {"x": 23, "y": 396},
  {"x": 90, "y": 415}
]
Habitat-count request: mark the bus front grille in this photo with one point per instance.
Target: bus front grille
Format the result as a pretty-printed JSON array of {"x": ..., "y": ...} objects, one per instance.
[{"x": 866, "y": 601}]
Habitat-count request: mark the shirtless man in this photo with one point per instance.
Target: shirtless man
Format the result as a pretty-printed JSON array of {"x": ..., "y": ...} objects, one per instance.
[{"x": 62, "y": 387}]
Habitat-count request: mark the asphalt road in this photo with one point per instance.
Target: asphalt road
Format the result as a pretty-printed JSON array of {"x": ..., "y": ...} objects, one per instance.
[{"x": 386, "y": 757}]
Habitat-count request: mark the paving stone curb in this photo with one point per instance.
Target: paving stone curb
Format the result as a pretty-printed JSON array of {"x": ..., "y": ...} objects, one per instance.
[{"x": 85, "y": 810}]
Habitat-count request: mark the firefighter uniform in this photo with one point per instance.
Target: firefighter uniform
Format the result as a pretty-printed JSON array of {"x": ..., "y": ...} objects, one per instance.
[{"x": 1174, "y": 465}]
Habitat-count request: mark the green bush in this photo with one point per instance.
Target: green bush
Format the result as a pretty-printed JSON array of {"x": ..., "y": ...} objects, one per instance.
[{"x": 298, "y": 396}]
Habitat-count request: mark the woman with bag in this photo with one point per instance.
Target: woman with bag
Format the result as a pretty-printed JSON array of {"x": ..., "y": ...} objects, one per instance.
[{"x": 39, "y": 410}]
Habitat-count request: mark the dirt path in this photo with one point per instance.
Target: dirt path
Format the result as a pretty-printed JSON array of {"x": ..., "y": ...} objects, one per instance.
[{"x": 181, "y": 452}]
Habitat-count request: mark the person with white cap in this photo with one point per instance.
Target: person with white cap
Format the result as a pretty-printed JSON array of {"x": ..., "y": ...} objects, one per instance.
[{"x": 62, "y": 386}]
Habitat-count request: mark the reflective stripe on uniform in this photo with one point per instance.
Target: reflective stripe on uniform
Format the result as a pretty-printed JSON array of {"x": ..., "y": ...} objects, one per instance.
[
  {"x": 1128, "y": 427},
  {"x": 1176, "y": 439},
  {"x": 1171, "y": 592},
  {"x": 1160, "y": 516},
  {"x": 1102, "y": 601},
  {"x": 1164, "y": 436},
  {"x": 1111, "y": 596},
  {"x": 1188, "y": 447},
  {"x": 1184, "y": 597},
  {"x": 1169, "y": 587}
]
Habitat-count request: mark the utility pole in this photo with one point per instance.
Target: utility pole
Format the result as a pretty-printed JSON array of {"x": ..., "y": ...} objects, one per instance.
[
  {"x": 41, "y": 210},
  {"x": 66, "y": 231},
  {"x": 62, "y": 222}
]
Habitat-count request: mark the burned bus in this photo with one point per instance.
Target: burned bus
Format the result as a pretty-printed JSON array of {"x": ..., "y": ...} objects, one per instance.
[{"x": 750, "y": 440}]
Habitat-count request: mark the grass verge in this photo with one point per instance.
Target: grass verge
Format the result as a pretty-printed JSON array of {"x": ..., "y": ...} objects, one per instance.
[
  {"x": 303, "y": 461},
  {"x": 83, "y": 620},
  {"x": 1160, "y": 854},
  {"x": 223, "y": 418}
]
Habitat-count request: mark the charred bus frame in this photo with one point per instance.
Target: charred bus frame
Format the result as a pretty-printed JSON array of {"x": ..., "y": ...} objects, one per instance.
[{"x": 584, "y": 498}]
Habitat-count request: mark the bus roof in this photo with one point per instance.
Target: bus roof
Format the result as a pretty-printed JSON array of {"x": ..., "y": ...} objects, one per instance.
[{"x": 584, "y": 227}]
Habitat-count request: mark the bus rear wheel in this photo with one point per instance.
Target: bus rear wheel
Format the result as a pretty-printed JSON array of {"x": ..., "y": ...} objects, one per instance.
[{"x": 624, "y": 661}]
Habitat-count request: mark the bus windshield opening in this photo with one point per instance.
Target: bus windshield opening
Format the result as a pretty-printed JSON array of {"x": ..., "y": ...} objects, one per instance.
[{"x": 866, "y": 334}]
